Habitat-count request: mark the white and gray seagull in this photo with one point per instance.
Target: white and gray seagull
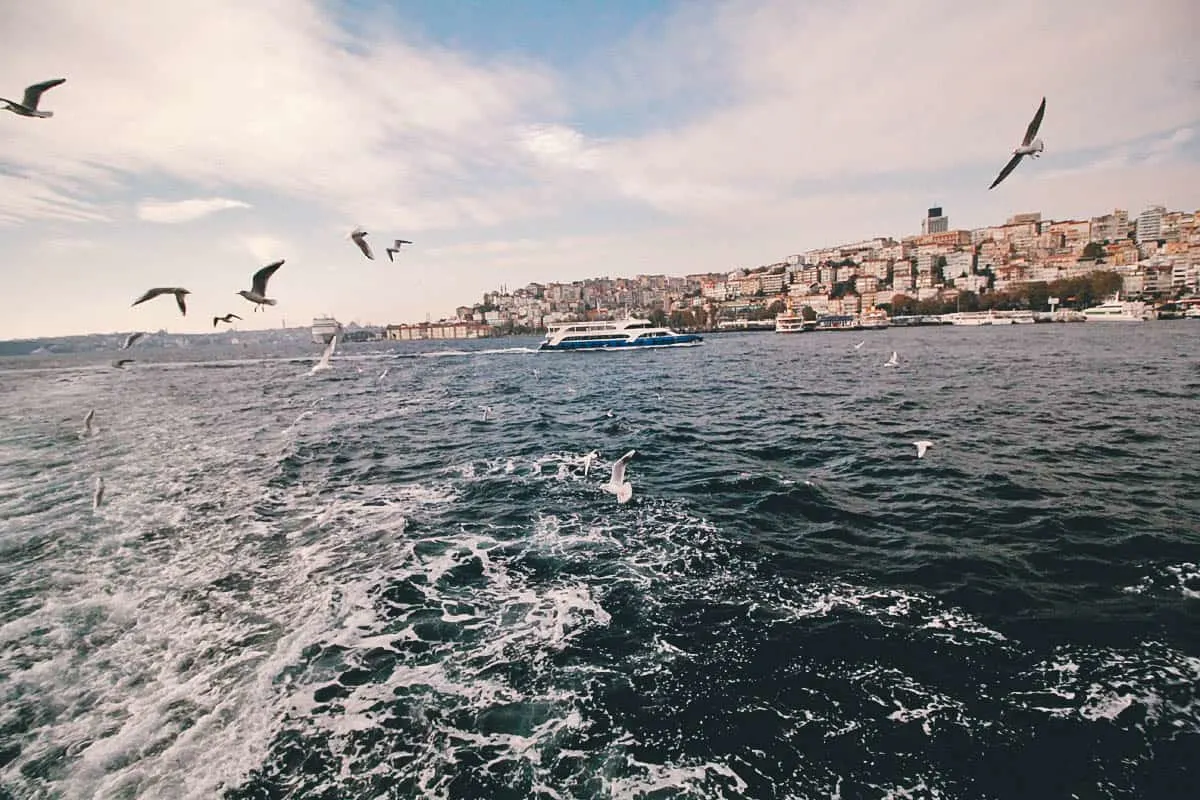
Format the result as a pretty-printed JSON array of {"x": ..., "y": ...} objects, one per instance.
[
  {"x": 258, "y": 286},
  {"x": 395, "y": 248},
  {"x": 617, "y": 484},
  {"x": 98, "y": 494},
  {"x": 131, "y": 338},
  {"x": 894, "y": 361},
  {"x": 360, "y": 238},
  {"x": 180, "y": 294},
  {"x": 1029, "y": 146},
  {"x": 323, "y": 364},
  {"x": 28, "y": 107},
  {"x": 922, "y": 446},
  {"x": 87, "y": 423}
]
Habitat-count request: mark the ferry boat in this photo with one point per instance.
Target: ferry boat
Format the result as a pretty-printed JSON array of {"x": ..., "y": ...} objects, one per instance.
[
  {"x": 874, "y": 319},
  {"x": 975, "y": 318},
  {"x": 1116, "y": 310},
  {"x": 612, "y": 335},
  {"x": 838, "y": 322},
  {"x": 793, "y": 322},
  {"x": 324, "y": 328}
]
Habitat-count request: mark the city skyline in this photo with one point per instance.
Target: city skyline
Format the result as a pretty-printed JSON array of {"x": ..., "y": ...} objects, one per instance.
[{"x": 539, "y": 142}]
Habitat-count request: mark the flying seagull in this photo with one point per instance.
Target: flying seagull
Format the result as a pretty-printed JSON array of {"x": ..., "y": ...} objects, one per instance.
[
  {"x": 922, "y": 446},
  {"x": 179, "y": 295},
  {"x": 87, "y": 423},
  {"x": 617, "y": 484},
  {"x": 98, "y": 495},
  {"x": 28, "y": 107},
  {"x": 894, "y": 361},
  {"x": 860, "y": 344},
  {"x": 394, "y": 249},
  {"x": 360, "y": 238},
  {"x": 587, "y": 461},
  {"x": 1029, "y": 146},
  {"x": 131, "y": 338},
  {"x": 258, "y": 286},
  {"x": 323, "y": 364},
  {"x": 487, "y": 410},
  {"x": 121, "y": 362},
  {"x": 227, "y": 318}
]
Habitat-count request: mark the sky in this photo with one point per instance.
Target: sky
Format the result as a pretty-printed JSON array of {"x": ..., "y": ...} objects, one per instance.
[{"x": 539, "y": 140}]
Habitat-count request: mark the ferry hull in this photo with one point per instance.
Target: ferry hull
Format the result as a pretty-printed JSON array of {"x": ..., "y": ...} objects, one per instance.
[{"x": 619, "y": 344}]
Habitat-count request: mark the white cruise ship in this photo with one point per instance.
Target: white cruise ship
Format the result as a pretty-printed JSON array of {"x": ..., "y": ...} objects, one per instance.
[
  {"x": 792, "y": 322},
  {"x": 1117, "y": 310},
  {"x": 324, "y": 328}
]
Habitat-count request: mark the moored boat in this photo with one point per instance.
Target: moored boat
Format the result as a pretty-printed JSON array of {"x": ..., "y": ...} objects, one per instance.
[
  {"x": 1116, "y": 310},
  {"x": 793, "y": 322}
]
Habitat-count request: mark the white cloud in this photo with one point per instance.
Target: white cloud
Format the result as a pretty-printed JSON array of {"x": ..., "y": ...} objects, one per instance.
[
  {"x": 184, "y": 210},
  {"x": 829, "y": 92},
  {"x": 265, "y": 96}
]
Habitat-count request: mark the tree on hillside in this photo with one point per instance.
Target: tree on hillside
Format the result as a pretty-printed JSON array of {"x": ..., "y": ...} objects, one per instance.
[
  {"x": 903, "y": 304},
  {"x": 1037, "y": 295},
  {"x": 807, "y": 313},
  {"x": 1092, "y": 251}
]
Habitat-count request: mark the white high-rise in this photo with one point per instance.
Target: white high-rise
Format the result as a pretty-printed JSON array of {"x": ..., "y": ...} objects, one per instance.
[{"x": 1149, "y": 224}]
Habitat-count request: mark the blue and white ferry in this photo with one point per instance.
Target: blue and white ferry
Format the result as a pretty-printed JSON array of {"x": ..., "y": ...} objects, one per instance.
[{"x": 613, "y": 335}]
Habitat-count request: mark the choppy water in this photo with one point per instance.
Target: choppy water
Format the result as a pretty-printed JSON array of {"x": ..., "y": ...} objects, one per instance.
[{"x": 341, "y": 586}]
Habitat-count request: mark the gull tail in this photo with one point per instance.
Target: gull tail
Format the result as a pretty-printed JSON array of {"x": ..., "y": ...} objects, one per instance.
[{"x": 268, "y": 301}]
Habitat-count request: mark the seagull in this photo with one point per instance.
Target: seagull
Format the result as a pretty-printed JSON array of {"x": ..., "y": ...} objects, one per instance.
[
  {"x": 394, "y": 249},
  {"x": 360, "y": 238},
  {"x": 87, "y": 423},
  {"x": 383, "y": 374},
  {"x": 894, "y": 361},
  {"x": 179, "y": 295},
  {"x": 617, "y": 484},
  {"x": 258, "y": 286},
  {"x": 227, "y": 318},
  {"x": 486, "y": 411},
  {"x": 1029, "y": 146},
  {"x": 323, "y": 364},
  {"x": 922, "y": 446},
  {"x": 28, "y": 107},
  {"x": 587, "y": 461},
  {"x": 131, "y": 338},
  {"x": 860, "y": 344},
  {"x": 121, "y": 362},
  {"x": 98, "y": 495}
]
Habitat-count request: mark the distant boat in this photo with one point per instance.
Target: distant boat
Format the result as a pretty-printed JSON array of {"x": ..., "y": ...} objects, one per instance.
[
  {"x": 875, "y": 319},
  {"x": 613, "y": 335},
  {"x": 324, "y": 329},
  {"x": 793, "y": 322},
  {"x": 838, "y": 322},
  {"x": 1116, "y": 310}
]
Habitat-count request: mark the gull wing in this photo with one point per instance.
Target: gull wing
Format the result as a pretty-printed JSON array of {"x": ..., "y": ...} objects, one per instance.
[
  {"x": 151, "y": 294},
  {"x": 179, "y": 300},
  {"x": 1009, "y": 167},
  {"x": 1032, "y": 130},
  {"x": 34, "y": 93},
  {"x": 258, "y": 283},
  {"x": 363, "y": 245},
  {"x": 231, "y": 316},
  {"x": 215, "y": 321},
  {"x": 401, "y": 241},
  {"x": 618, "y": 468}
]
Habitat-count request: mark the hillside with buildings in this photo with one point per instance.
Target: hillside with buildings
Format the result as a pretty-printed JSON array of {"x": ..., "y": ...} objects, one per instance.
[{"x": 1154, "y": 256}]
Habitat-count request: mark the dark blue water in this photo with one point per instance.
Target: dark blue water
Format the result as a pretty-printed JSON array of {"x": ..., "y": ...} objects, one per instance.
[{"x": 344, "y": 585}]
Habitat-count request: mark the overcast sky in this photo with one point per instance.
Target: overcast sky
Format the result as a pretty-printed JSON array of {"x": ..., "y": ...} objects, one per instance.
[{"x": 541, "y": 140}]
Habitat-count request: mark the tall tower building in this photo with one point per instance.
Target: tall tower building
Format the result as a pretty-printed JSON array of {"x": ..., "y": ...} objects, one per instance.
[{"x": 935, "y": 222}]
